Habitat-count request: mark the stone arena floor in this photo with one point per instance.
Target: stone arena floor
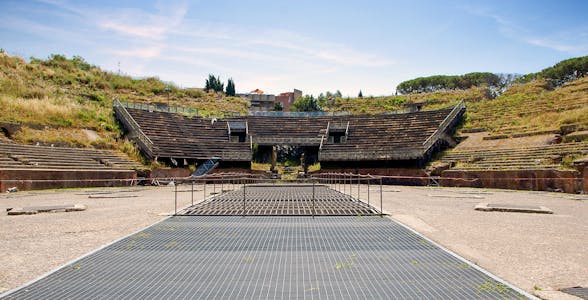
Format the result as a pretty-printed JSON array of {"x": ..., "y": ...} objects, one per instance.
[{"x": 537, "y": 253}]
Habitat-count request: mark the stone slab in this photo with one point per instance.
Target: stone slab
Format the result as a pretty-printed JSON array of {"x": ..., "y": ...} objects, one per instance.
[
  {"x": 31, "y": 210},
  {"x": 513, "y": 208}
]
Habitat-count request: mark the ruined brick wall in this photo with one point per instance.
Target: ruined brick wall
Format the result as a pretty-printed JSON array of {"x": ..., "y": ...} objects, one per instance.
[
  {"x": 586, "y": 180},
  {"x": 37, "y": 179},
  {"x": 170, "y": 173},
  {"x": 534, "y": 180}
]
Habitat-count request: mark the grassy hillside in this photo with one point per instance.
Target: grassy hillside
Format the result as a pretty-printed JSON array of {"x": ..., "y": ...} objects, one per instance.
[
  {"x": 532, "y": 107},
  {"x": 69, "y": 102},
  {"x": 433, "y": 100},
  {"x": 526, "y": 107}
]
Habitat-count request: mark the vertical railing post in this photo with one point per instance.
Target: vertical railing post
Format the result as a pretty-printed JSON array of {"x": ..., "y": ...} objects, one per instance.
[
  {"x": 345, "y": 183},
  {"x": 192, "y": 191},
  {"x": 313, "y": 207},
  {"x": 243, "y": 198},
  {"x": 204, "y": 188},
  {"x": 175, "y": 198},
  {"x": 368, "y": 186},
  {"x": 222, "y": 184},
  {"x": 214, "y": 186},
  {"x": 381, "y": 209},
  {"x": 330, "y": 180},
  {"x": 351, "y": 185},
  {"x": 358, "y": 182}
]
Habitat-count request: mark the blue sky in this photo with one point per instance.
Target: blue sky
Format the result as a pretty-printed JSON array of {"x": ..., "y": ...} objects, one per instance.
[{"x": 315, "y": 46}]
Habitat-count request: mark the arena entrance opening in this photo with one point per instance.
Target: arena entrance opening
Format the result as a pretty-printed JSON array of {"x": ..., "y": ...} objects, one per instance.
[{"x": 287, "y": 155}]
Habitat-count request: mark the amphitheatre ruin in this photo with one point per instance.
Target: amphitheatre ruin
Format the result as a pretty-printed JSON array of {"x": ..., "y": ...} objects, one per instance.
[{"x": 404, "y": 204}]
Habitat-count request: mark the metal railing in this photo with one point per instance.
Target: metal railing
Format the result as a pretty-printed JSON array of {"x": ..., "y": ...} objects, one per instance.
[
  {"x": 161, "y": 108},
  {"x": 134, "y": 127},
  {"x": 206, "y": 166},
  {"x": 345, "y": 183},
  {"x": 300, "y": 114},
  {"x": 444, "y": 125}
]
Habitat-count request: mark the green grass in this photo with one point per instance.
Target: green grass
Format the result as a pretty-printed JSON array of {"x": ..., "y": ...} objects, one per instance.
[
  {"x": 54, "y": 99},
  {"x": 527, "y": 107}
]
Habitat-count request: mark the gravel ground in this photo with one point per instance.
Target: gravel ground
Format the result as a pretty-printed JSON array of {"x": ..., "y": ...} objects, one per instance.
[{"x": 527, "y": 250}]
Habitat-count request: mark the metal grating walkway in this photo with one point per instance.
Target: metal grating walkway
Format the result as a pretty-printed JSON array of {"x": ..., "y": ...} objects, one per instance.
[
  {"x": 580, "y": 292},
  {"x": 224, "y": 257},
  {"x": 281, "y": 200}
]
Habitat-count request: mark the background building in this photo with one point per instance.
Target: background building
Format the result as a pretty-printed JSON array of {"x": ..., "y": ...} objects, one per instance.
[
  {"x": 288, "y": 98},
  {"x": 260, "y": 101},
  {"x": 266, "y": 102}
]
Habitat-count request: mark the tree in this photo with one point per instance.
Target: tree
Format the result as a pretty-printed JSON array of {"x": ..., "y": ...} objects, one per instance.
[
  {"x": 306, "y": 103},
  {"x": 562, "y": 72},
  {"x": 278, "y": 106},
  {"x": 448, "y": 82},
  {"x": 360, "y": 95},
  {"x": 230, "y": 87},
  {"x": 214, "y": 83}
]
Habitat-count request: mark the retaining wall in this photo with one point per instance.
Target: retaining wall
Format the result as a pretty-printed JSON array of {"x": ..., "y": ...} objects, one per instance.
[
  {"x": 534, "y": 180},
  {"x": 586, "y": 180},
  {"x": 55, "y": 178},
  {"x": 170, "y": 173}
]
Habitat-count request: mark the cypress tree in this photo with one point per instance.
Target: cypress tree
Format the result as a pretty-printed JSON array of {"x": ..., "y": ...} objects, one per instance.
[{"x": 230, "y": 87}]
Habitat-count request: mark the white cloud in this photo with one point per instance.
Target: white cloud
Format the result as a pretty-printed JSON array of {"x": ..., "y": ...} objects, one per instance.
[
  {"x": 275, "y": 44},
  {"x": 569, "y": 40},
  {"x": 145, "y": 25},
  {"x": 165, "y": 35},
  {"x": 574, "y": 41},
  {"x": 141, "y": 52}
]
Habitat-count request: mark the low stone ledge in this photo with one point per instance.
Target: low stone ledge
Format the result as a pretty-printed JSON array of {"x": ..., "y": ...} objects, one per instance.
[
  {"x": 513, "y": 208},
  {"x": 41, "y": 209}
]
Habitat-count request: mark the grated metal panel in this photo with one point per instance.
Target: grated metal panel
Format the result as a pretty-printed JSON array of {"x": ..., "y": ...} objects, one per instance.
[
  {"x": 281, "y": 200},
  {"x": 224, "y": 257},
  {"x": 580, "y": 292}
]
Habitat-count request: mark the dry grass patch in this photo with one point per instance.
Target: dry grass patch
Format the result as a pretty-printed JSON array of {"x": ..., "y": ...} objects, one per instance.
[{"x": 67, "y": 137}]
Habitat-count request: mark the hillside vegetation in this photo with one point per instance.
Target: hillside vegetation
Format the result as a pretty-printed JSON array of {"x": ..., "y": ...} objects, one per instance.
[
  {"x": 451, "y": 82},
  {"x": 524, "y": 107},
  {"x": 535, "y": 103},
  {"x": 68, "y": 102}
]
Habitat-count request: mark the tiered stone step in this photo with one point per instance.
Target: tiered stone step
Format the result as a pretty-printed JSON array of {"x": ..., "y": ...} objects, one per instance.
[
  {"x": 522, "y": 158},
  {"x": 26, "y": 156},
  {"x": 370, "y": 137},
  {"x": 387, "y": 133},
  {"x": 178, "y": 136}
]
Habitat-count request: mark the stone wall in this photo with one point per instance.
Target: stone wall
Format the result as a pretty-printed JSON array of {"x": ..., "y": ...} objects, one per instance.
[
  {"x": 37, "y": 179},
  {"x": 9, "y": 129},
  {"x": 534, "y": 180},
  {"x": 170, "y": 173}
]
